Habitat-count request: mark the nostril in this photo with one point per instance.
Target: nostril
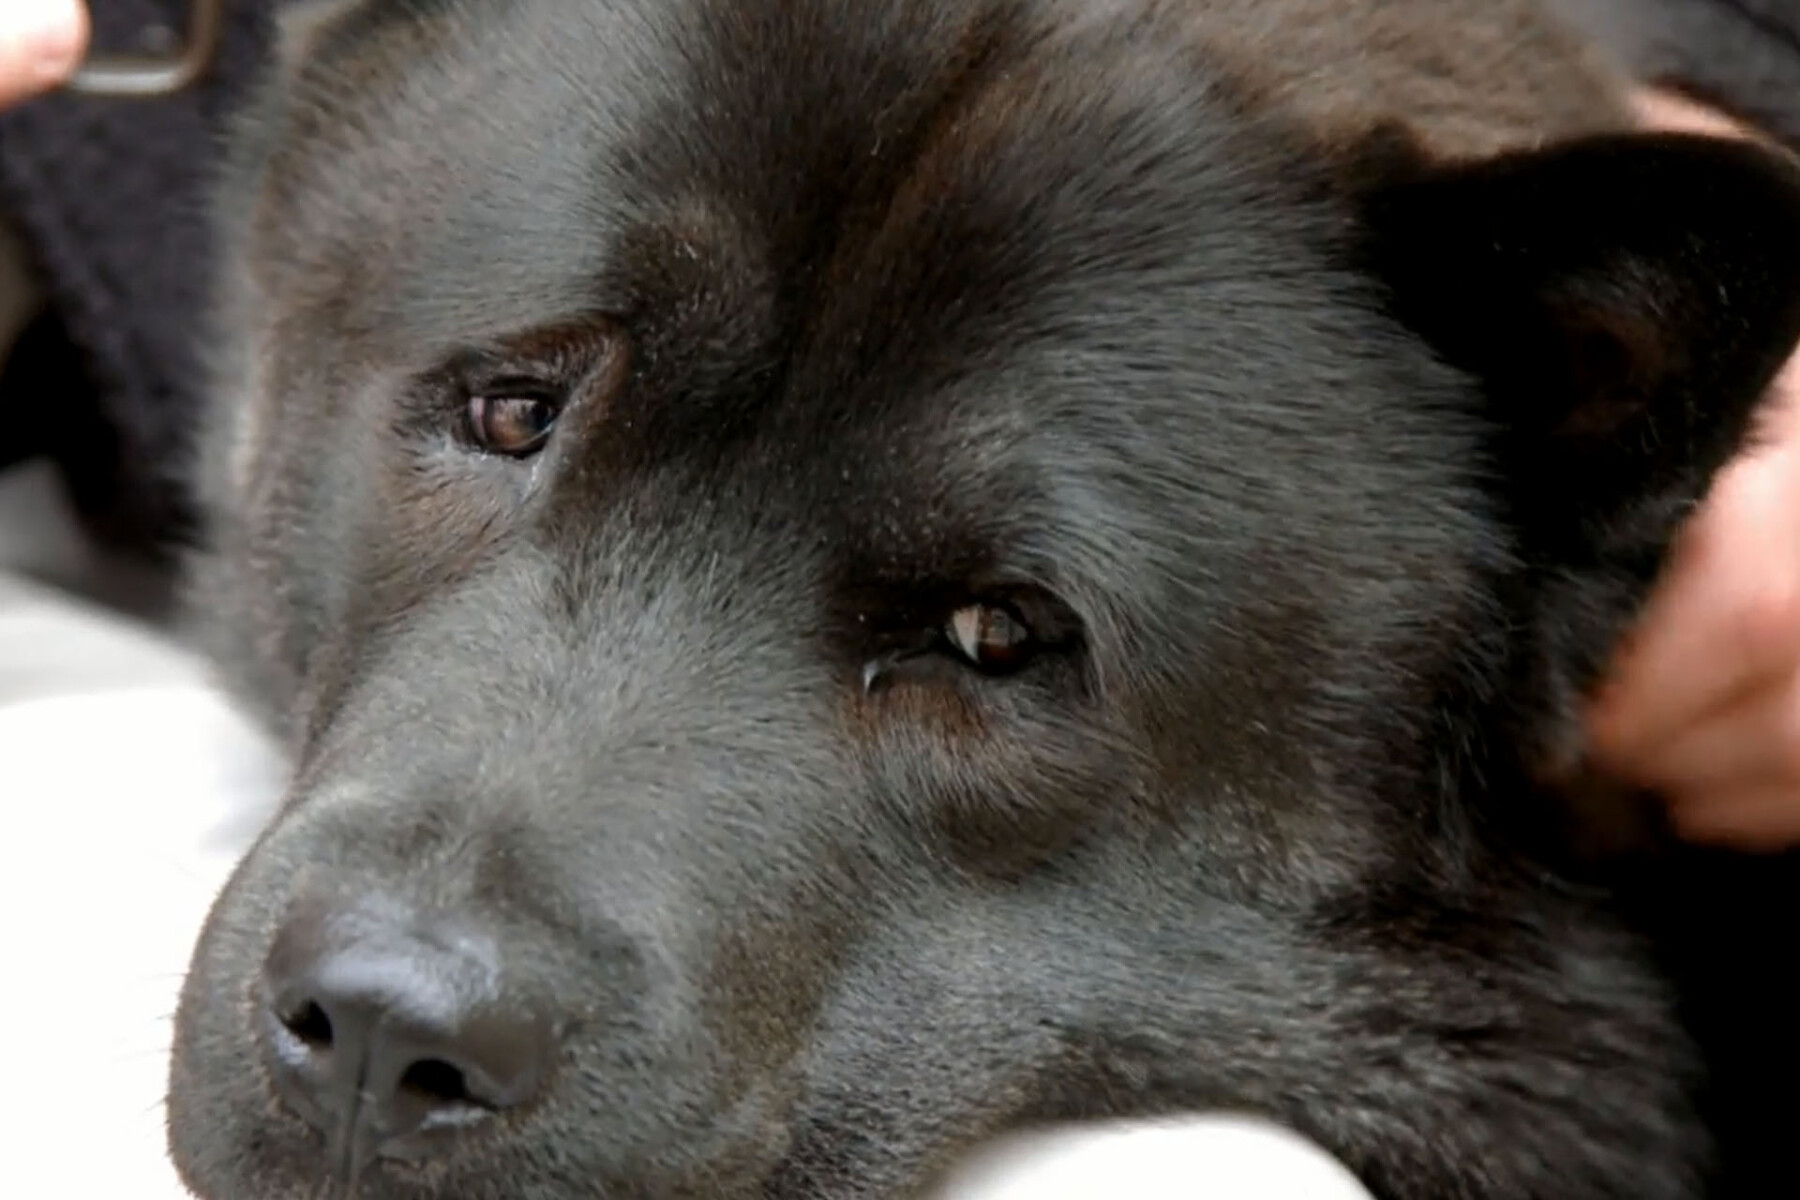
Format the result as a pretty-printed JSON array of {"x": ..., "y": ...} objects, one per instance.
[
  {"x": 389, "y": 1030},
  {"x": 435, "y": 1080},
  {"x": 310, "y": 1024}
]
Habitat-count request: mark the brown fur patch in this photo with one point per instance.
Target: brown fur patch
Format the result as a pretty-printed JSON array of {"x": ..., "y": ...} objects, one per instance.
[{"x": 1464, "y": 78}]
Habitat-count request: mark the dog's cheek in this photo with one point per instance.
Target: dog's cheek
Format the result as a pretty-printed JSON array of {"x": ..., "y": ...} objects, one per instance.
[
  {"x": 437, "y": 520},
  {"x": 996, "y": 777}
]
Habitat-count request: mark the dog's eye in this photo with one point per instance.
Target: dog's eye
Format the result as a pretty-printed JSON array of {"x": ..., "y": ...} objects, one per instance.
[
  {"x": 991, "y": 636},
  {"x": 515, "y": 424}
]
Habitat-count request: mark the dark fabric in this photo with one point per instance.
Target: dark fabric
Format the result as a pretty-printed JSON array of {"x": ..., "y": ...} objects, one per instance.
[{"x": 109, "y": 197}]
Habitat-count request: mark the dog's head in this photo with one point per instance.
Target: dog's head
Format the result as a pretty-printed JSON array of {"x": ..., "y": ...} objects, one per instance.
[{"x": 846, "y": 577}]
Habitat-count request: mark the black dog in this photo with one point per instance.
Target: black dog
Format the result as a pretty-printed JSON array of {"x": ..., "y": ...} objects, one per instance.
[{"x": 845, "y": 576}]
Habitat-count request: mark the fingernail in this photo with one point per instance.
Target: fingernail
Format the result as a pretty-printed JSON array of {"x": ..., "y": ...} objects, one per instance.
[{"x": 53, "y": 34}]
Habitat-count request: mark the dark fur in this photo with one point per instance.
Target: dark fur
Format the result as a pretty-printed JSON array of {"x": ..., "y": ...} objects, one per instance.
[{"x": 1350, "y": 459}]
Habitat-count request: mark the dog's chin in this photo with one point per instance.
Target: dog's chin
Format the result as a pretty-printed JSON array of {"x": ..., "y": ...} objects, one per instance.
[
  {"x": 272, "y": 1161},
  {"x": 267, "y": 1155},
  {"x": 278, "y": 1167},
  {"x": 231, "y": 1138}
]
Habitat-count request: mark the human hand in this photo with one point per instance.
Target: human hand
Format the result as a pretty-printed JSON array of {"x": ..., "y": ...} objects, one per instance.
[
  {"x": 41, "y": 44},
  {"x": 1703, "y": 703}
]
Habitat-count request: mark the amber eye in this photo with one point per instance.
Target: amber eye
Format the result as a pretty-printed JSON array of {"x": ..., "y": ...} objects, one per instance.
[
  {"x": 513, "y": 424},
  {"x": 991, "y": 637}
]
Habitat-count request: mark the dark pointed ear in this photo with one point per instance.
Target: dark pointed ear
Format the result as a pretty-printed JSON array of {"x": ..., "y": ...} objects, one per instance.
[{"x": 1625, "y": 300}]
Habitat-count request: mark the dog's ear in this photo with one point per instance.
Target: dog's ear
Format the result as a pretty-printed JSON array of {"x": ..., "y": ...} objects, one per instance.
[{"x": 1625, "y": 300}]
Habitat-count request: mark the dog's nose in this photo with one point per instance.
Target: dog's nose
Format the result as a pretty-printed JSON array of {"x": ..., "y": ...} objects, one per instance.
[{"x": 389, "y": 1032}]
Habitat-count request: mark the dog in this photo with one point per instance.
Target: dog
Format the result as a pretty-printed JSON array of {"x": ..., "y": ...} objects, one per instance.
[{"x": 843, "y": 577}]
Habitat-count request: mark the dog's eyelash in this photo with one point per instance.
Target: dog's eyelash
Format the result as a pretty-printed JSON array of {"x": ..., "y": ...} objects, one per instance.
[
  {"x": 502, "y": 398},
  {"x": 995, "y": 638}
]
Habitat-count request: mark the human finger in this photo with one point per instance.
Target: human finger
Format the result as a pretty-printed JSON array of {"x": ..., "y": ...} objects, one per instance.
[
  {"x": 1756, "y": 818},
  {"x": 41, "y": 44},
  {"x": 1753, "y": 738},
  {"x": 1724, "y": 621}
]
